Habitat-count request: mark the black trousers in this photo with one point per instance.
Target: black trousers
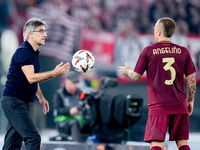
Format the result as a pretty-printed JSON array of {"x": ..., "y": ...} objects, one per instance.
[{"x": 20, "y": 125}]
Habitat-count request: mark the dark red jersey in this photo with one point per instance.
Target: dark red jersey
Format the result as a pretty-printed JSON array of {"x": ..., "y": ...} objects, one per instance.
[{"x": 166, "y": 64}]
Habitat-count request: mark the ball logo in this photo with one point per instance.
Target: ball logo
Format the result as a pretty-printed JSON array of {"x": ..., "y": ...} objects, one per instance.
[{"x": 78, "y": 59}]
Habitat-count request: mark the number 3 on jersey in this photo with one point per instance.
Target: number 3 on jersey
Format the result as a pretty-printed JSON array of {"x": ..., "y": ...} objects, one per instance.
[{"x": 168, "y": 66}]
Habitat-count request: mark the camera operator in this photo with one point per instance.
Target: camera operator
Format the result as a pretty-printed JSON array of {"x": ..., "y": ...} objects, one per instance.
[{"x": 66, "y": 113}]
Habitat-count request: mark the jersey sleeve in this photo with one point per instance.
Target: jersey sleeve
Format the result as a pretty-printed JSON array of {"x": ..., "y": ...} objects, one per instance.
[
  {"x": 24, "y": 57},
  {"x": 190, "y": 68},
  {"x": 141, "y": 64}
]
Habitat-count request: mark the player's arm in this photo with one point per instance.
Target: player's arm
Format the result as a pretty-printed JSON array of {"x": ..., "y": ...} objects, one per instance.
[
  {"x": 42, "y": 100},
  {"x": 127, "y": 71},
  {"x": 32, "y": 77},
  {"x": 191, "y": 84}
]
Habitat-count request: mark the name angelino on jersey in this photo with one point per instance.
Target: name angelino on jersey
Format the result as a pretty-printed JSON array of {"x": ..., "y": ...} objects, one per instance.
[{"x": 166, "y": 50}]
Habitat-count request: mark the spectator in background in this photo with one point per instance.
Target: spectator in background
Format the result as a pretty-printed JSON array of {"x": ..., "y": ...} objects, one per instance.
[
  {"x": 144, "y": 24},
  {"x": 108, "y": 13},
  {"x": 181, "y": 13},
  {"x": 94, "y": 24},
  {"x": 18, "y": 16},
  {"x": 181, "y": 32},
  {"x": 4, "y": 12},
  {"x": 195, "y": 20},
  {"x": 127, "y": 46},
  {"x": 69, "y": 122},
  {"x": 157, "y": 10}
]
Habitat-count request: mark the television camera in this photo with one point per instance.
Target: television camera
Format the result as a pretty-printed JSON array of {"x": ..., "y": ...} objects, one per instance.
[{"x": 110, "y": 114}]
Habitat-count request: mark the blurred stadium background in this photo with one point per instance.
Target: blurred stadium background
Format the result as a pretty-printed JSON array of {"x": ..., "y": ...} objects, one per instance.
[{"x": 115, "y": 31}]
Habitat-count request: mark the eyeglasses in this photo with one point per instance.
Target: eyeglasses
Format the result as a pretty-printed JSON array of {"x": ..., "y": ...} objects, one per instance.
[{"x": 41, "y": 31}]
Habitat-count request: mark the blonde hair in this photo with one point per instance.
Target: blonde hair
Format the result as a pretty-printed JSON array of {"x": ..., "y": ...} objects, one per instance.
[{"x": 169, "y": 26}]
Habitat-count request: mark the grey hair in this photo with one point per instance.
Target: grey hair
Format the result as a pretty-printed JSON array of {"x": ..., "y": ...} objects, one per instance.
[{"x": 31, "y": 25}]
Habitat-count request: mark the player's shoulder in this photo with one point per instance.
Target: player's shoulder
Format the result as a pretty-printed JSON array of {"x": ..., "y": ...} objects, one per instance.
[
  {"x": 149, "y": 47},
  {"x": 182, "y": 47}
]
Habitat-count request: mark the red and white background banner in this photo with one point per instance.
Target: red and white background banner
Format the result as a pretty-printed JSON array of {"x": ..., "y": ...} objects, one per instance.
[{"x": 100, "y": 44}]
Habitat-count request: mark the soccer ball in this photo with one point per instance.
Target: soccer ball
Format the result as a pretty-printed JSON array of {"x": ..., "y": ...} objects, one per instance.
[{"x": 83, "y": 61}]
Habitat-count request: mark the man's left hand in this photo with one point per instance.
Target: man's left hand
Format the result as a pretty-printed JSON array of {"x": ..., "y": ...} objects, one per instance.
[{"x": 45, "y": 105}]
